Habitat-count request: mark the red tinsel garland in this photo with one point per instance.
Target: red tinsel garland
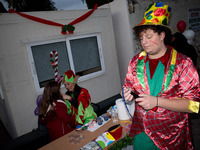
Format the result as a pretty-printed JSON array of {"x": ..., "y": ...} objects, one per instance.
[{"x": 70, "y": 28}]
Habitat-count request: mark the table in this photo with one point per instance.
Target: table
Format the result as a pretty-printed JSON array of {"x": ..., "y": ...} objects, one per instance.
[{"x": 63, "y": 142}]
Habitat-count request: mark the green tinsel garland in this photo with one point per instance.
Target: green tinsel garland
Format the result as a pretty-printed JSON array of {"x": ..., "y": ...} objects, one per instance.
[{"x": 124, "y": 142}]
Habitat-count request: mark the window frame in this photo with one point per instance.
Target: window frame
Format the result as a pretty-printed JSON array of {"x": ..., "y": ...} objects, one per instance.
[{"x": 39, "y": 89}]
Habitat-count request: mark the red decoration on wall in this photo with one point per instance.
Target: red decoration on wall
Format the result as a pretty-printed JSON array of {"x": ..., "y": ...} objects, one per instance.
[{"x": 70, "y": 28}]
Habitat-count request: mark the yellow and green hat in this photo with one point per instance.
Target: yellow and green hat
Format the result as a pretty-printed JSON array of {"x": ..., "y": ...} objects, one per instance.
[{"x": 156, "y": 14}]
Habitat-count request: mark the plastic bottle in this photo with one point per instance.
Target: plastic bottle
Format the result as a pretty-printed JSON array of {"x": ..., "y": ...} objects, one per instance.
[{"x": 114, "y": 115}]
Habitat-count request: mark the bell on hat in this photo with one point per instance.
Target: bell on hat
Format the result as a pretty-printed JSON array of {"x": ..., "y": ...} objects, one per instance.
[
  {"x": 69, "y": 76},
  {"x": 156, "y": 14}
]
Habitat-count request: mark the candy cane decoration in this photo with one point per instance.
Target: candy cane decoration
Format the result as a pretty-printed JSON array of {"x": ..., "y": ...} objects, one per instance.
[{"x": 54, "y": 63}]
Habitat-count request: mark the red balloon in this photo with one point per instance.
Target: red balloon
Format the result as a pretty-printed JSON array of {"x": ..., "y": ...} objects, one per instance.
[{"x": 181, "y": 25}]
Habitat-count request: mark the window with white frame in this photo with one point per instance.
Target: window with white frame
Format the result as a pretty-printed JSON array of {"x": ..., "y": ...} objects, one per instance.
[{"x": 83, "y": 54}]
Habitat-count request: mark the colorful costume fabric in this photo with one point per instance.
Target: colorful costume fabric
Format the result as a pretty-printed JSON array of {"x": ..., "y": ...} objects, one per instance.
[
  {"x": 80, "y": 105},
  {"x": 167, "y": 129},
  {"x": 58, "y": 121}
]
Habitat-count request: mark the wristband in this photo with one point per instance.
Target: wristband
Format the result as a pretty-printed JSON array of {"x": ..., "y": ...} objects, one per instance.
[
  {"x": 155, "y": 108},
  {"x": 193, "y": 106}
]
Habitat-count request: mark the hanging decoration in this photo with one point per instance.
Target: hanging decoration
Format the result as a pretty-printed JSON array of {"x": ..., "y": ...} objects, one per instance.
[
  {"x": 69, "y": 27},
  {"x": 54, "y": 64}
]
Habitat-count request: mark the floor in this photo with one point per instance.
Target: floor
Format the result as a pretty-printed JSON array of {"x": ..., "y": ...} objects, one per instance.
[
  {"x": 30, "y": 141},
  {"x": 4, "y": 135}
]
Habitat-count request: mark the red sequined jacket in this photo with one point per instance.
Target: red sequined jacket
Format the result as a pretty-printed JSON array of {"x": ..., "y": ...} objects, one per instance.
[{"x": 168, "y": 129}]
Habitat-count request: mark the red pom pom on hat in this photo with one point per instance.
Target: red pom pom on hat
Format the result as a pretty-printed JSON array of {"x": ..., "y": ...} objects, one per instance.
[{"x": 69, "y": 76}]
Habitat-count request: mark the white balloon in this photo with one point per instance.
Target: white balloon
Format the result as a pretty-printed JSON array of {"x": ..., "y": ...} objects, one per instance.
[
  {"x": 189, "y": 34},
  {"x": 190, "y": 42}
]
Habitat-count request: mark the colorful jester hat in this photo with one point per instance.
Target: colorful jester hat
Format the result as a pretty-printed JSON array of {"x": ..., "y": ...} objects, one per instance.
[
  {"x": 69, "y": 76},
  {"x": 156, "y": 14}
]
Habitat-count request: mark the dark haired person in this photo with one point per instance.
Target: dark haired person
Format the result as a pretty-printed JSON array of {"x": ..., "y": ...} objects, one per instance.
[
  {"x": 53, "y": 112},
  {"x": 167, "y": 83},
  {"x": 179, "y": 42}
]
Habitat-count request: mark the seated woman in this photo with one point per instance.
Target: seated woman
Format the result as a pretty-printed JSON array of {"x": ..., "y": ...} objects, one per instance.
[
  {"x": 77, "y": 99},
  {"x": 53, "y": 112}
]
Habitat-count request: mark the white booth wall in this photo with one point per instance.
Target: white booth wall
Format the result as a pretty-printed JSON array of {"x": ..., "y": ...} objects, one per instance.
[{"x": 18, "y": 96}]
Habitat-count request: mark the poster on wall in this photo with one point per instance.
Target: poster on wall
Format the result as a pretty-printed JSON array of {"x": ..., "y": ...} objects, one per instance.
[{"x": 194, "y": 19}]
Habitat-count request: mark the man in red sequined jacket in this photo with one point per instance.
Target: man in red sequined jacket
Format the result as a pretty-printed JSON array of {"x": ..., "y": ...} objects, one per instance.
[{"x": 167, "y": 84}]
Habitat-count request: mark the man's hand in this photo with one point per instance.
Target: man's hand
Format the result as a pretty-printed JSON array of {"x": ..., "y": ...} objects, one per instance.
[
  {"x": 147, "y": 101},
  {"x": 127, "y": 94}
]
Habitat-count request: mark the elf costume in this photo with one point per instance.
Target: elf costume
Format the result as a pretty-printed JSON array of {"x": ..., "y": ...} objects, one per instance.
[
  {"x": 80, "y": 104},
  {"x": 171, "y": 76}
]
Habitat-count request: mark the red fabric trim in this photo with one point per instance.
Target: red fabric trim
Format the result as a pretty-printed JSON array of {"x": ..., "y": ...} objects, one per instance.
[
  {"x": 35, "y": 18},
  {"x": 83, "y": 17},
  {"x": 44, "y": 21}
]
